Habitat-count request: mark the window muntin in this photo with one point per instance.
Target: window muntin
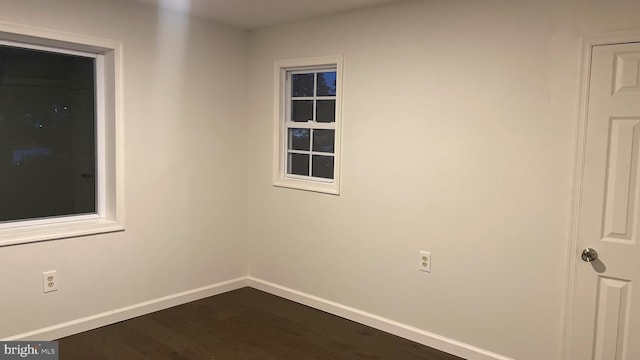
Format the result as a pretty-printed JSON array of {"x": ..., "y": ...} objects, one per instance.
[{"x": 47, "y": 133}]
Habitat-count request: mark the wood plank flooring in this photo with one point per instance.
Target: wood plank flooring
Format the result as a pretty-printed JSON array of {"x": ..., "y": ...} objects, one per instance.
[{"x": 242, "y": 324}]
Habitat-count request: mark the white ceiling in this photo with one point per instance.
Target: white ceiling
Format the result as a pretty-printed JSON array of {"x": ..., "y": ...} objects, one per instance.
[{"x": 252, "y": 14}]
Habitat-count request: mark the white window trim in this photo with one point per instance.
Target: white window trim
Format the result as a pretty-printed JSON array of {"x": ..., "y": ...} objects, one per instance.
[
  {"x": 109, "y": 146},
  {"x": 280, "y": 178}
]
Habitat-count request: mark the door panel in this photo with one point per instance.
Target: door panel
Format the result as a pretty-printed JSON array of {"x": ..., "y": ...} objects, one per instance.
[
  {"x": 621, "y": 179},
  {"x": 612, "y": 316},
  {"x": 606, "y": 310}
]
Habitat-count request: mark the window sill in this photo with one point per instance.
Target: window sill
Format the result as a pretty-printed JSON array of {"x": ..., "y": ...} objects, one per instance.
[
  {"x": 326, "y": 188},
  {"x": 63, "y": 230}
]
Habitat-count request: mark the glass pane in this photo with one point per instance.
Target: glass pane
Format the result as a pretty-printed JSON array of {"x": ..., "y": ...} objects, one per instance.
[
  {"x": 299, "y": 139},
  {"x": 327, "y": 84},
  {"x": 301, "y": 85},
  {"x": 323, "y": 140},
  {"x": 301, "y": 110},
  {"x": 323, "y": 166},
  {"x": 326, "y": 111},
  {"x": 298, "y": 164},
  {"x": 47, "y": 134}
]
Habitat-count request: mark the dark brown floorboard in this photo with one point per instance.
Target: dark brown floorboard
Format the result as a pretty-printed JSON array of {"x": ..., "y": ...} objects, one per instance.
[{"x": 245, "y": 324}]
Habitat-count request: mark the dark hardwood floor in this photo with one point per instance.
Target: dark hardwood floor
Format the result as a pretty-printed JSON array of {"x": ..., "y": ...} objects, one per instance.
[{"x": 242, "y": 324}]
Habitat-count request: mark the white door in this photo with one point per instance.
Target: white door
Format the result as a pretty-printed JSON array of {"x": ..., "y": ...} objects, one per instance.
[{"x": 606, "y": 310}]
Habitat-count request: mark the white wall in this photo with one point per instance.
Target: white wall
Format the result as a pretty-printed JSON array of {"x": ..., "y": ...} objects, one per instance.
[
  {"x": 458, "y": 138},
  {"x": 186, "y": 199}
]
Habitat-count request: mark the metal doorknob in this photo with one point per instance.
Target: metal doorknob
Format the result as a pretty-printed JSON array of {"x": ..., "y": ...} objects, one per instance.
[{"x": 589, "y": 255}]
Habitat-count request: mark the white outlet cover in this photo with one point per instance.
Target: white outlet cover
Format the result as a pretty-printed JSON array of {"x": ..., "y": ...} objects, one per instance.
[
  {"x": 424, "y": 261},
  {"x": 49, "y": 281}
]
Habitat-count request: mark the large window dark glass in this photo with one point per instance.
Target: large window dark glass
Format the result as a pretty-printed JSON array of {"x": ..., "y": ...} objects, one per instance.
[{"x": 47, "y": 134}]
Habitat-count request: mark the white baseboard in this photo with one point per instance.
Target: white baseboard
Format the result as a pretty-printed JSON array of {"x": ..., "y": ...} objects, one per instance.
[
  {"x": 442, "y": 343},
  {"x": 128, "y": 312}
]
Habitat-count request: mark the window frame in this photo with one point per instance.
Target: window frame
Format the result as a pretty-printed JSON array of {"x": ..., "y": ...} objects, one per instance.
[
  {"x": 282, "y": 101},
  {"x": 109, "y": 216}
]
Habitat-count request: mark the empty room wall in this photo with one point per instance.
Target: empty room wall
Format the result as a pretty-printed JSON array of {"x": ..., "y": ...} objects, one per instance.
[
  {"x": 184, "y": 89},
  {"x": 458, "y": 138}
]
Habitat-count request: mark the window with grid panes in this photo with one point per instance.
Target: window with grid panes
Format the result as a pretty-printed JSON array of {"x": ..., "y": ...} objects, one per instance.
[{"x": 309, "y": 126}]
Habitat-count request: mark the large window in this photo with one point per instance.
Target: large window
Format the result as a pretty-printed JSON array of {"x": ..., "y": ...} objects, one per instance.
[
  {"x": 308, "y": 124},
  {"x": 47, "y": 133},
  {"x": 60, "y": 131}
]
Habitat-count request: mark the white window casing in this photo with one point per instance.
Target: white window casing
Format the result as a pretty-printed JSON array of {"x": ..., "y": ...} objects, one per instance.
[
  {"x": 283, "y": 176},
  {"x": 109, "y": 216}
]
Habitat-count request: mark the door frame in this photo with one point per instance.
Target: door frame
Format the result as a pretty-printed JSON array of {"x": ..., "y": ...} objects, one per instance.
[{"x": 586, "y": 45}]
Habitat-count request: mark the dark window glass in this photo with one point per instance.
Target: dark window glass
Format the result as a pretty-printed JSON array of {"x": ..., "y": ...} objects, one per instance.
[
  {"x": 327, "y": 84},
  {"x": 322, "y": 166},
  {"x": 301, "y": 85},
  {"x": 302, "y": 110},
  {"x": 299, "y": 164},
  {"x": 299, "y": 139},
  {"x": 326, "y": 111},
  {"x": 323, "y": 140},
  {"x": 47, "y": 134}
]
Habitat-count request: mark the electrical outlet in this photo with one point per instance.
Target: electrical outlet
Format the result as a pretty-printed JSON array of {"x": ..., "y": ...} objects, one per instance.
[
  {"x": 425, "y": 261},
  {"x": 49, "y": 281}
]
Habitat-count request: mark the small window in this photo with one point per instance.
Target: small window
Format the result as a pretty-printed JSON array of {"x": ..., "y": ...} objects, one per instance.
[
  {"x": 60, "y": 135},
  {"x": 308, "y": 124}
]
